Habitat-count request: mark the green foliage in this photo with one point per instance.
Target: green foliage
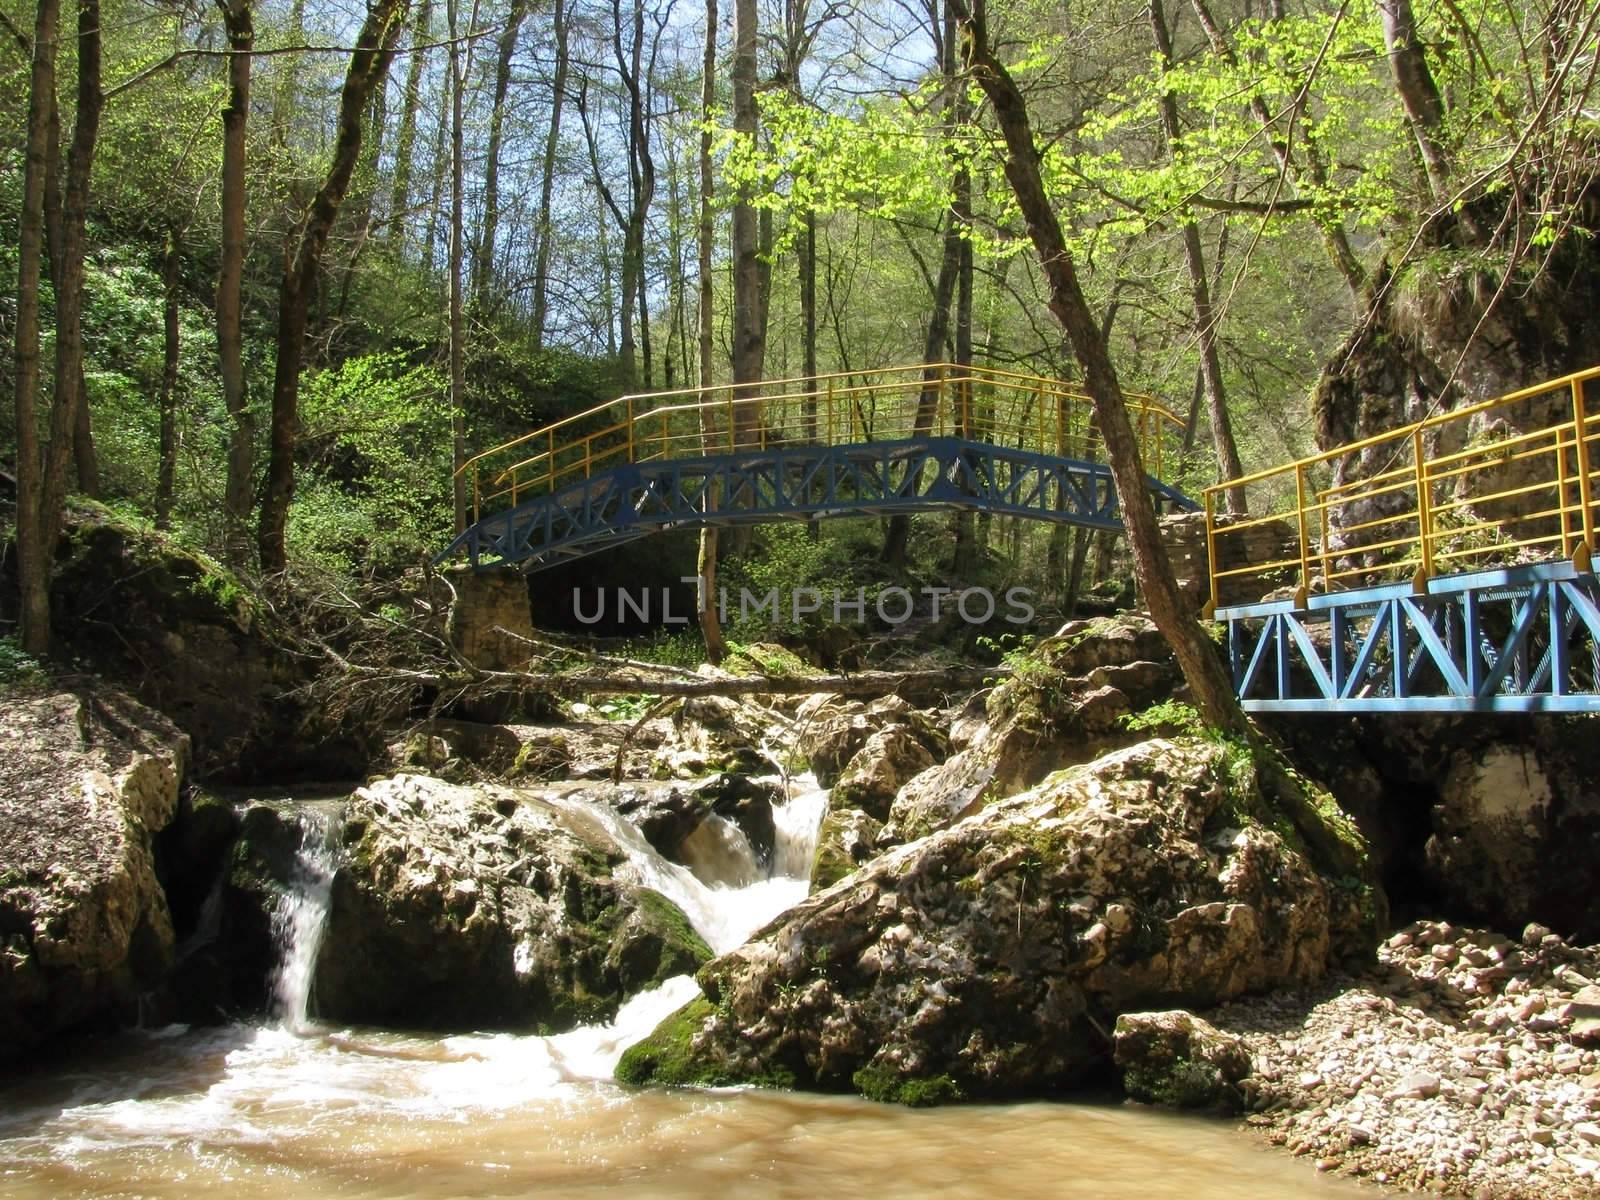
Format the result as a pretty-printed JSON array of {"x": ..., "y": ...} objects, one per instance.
[
  {"x": 1167, "y": 716},
  {"x": 685, "y": 648},
  {"x": 19, "y": 672},
  {"x": 625, "y": 708},
  {"x": 377, "y": 431}
]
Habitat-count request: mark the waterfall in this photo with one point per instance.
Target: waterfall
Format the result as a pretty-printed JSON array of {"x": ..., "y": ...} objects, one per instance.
[
  {"x": 727, "y": 897},
  {"x": 301, "y": 916}
]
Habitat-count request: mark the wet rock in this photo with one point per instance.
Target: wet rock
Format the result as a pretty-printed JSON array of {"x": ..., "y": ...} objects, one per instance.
[
  {"x": 848, "y": 838},
  {"x": 669, "y": 814},
  {"x": 1176, "y": 1060},
  {"x": 748, "y": 804},
  {"x": 485, "y": 907},
  {"x": 86, "y": 780},
  {"x": 985, "y": 958}
]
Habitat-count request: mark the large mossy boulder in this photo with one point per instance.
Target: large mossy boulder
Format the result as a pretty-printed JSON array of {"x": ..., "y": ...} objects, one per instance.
[
  {"x": 87, "y": 779},
  {"x": 993, "y": 957},
  {"x": 487, "y": 908}
]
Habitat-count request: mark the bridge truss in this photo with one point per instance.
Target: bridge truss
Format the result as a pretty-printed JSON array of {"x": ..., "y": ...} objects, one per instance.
[{"x": 1442, "y": 567}]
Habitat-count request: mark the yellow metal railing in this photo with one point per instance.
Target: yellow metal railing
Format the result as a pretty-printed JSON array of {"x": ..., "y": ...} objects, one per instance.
[
  {"x": 1498, "y": 483},
  {"x": 1020, "y": 411}
]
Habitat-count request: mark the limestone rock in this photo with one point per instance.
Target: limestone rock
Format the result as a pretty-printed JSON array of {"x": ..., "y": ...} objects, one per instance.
[
  {"x": 985, "y": 958},
  {"x": 1063, "y": 707},
  {"x": 1177, "y": 1060},
  {"x": 1516, "y": 828},
  {"x": 86, "y": 780},
  {"x": 487, "y": 907},
  {"x": 886, "y": 760},
  {"x": 833, "y": 730},
  {"x": 848, "y": 838}
]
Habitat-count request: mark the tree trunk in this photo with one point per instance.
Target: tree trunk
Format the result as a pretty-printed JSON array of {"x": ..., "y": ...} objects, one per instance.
[
  {"x": 1419, "y": 94},
  {"x": 368, "y": 64},
  {"x": 458, "y": 358},
  {"x": 706, "y": 565},
  {"x": 166, "y": 475},
  {"x": 66, "y": 413},
  {"x": 483, "y": 257},
  {"x": 33, "y": 548},
  {"x": 898, "y": 529},
  {"x": 1208, "y": 681},
  {"x": 441, "y": 156},
  {"x": 405, "y": 142},
  {"x": 558, "y": 92},
  {"x": 1205, "y": 320},
  {"x": 749, "y": 344},
  {"x": 238, "y": 492}
]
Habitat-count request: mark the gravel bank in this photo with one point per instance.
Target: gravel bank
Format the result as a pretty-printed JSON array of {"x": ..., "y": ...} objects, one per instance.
[{"x": 1464, "y": 1062}]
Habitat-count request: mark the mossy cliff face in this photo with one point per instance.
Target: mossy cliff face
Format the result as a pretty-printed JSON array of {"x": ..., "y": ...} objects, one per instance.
[
  {"x": 486, "y": 907},
  {"x": 993, "y": 957},
  {"x": 86, "y": 781},
  {"x": 178, "y": 632}
]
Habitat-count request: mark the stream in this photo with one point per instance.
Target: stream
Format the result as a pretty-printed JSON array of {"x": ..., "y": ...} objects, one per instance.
[{"x": 296, "y": 1107}]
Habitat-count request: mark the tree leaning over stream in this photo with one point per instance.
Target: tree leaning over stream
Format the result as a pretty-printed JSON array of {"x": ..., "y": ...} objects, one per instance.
[{"x": 1202, "y": 667}]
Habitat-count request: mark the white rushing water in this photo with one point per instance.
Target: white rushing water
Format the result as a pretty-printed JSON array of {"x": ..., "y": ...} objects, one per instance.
[
  {"x": 726, "y": 897},
  {"x": 300, "y": 918}
]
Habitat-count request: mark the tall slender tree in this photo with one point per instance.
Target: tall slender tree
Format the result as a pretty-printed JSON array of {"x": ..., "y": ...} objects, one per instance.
[
  {"x": 34, "y": 547},
  {"x": 1202, "y": 668},
  {"x": 239, "y": 26},
  {"x": 1205, "y": 317},
  {"x": 706, "y": 566},
  {"x": 369, "y": 63},
  {"x": 558, "y": 94}
]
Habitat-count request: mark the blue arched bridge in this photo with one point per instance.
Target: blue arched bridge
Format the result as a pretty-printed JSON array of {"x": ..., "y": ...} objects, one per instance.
[
  {"x": 1441, "y": 567},
  {"x": 902, "y": 440}
]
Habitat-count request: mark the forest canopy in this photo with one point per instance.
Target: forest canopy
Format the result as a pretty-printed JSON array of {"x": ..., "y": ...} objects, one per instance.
[{"x": 282, "y": 264}]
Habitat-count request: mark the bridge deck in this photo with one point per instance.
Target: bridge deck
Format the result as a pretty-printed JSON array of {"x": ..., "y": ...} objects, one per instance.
[
  {"x": 1443, "y": 566},
  {"x": 901, "y": 440}
]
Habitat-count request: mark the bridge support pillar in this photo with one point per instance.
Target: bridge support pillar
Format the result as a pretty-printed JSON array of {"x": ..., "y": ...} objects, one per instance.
[{"x": 484, "y": 601}]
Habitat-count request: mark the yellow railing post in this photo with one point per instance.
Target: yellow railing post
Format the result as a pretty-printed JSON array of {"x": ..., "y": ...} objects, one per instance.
[
  {"x": 1563, "y": 483},
  {"x": 1322, "y": 540},
  {"x": 631, "y": 457},
  {"x": 1304, "y": 590},
  {"x": 550, "y": 457},
  {"x": 1039, "y": 405},
  {"x": 730, "y": 421},
  {"x": 1210, "y": 609},
  {"x": 1424, "y": 512},
  {"x": 477, "y": 497},
  {"x": 1580, "y": 421},
  {"x": 830, "y": 413}
]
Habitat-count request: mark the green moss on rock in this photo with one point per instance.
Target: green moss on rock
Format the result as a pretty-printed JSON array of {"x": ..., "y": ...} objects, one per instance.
[{"x": 888, "y": 1087}]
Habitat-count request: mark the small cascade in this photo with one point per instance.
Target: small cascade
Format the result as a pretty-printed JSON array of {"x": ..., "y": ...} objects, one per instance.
[
  {"x": 301, "y": 916},
  {"x": 798, "y": 824},
  {"x": 719, "y": 854},
  {"x": 725, "y": 894}
]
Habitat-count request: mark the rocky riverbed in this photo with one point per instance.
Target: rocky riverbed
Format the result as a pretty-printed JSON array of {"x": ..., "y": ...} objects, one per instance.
[{"x": 1463, "y": 1062}]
